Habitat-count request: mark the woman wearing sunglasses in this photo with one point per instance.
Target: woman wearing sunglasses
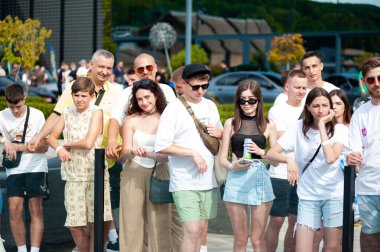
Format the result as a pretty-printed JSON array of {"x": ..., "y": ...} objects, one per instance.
[
  {"x": 317, "y": 142},
  {"x": 138, "y": 216},
  {"x": 248, "y": 185}
]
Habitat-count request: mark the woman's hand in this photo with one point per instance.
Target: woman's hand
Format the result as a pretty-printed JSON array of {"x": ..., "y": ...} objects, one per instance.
[
  {"x": 240, "y": 165},
  {"x": 253, "y": 148},
  {"x": 293, "y": 174},
  {"x": 139, "y": 151},
  {"x": 326, "y": 119},
  {"x": 64, "y": 155}
]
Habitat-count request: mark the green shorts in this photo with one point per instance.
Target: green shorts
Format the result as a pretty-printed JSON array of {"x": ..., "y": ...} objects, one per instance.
[{"x": 196, "y": 205}]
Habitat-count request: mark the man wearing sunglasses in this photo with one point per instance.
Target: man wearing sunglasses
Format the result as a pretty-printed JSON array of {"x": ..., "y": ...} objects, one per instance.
[
  {"x": 192, "y": 178},
  {"x": 364, "y": 143},
  {"x": 312, "y": 66}
]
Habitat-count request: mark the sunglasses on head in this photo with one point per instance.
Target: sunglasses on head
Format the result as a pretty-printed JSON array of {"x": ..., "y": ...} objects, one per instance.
[
  {"x": 142, "y": 82},
  {"x": 371, "y": 80},
  {"x": 140, "y": 70},
  {"x": 250, "y": 101},
  {"x": 196, "y": 87}
]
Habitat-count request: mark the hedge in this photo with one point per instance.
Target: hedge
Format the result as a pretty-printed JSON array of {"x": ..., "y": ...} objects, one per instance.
[{"x": 227, "y": 110}]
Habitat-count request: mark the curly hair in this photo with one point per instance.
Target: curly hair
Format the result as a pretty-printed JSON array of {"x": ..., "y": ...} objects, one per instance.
[
  {"x": 307, "y": 117},
  {"x": 153, "y": 87}
]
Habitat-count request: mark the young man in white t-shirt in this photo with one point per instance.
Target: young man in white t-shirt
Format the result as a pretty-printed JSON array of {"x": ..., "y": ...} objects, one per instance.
[
  {"x": 29, "y": 178},
  {"x": 364, "y": 142},
  {"x": 312, "y": 66},
  {"x": 192, "y": 179},
  {"x": 284, "y": 116}
]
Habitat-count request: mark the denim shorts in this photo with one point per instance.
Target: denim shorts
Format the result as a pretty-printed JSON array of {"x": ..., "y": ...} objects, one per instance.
[
  {"x": 249, "y": 187},
  {"x": 369, "y": 207},
  {"x": 312, "y": 212},
  {"x": 196, "y": 205}
]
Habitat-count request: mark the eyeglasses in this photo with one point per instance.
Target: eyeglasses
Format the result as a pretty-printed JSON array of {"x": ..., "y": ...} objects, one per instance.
[
  {"x": 250, "y": 101},
  {"x": 140, "y": 70},
  {"x": 371, "y": 80},
  {"x": 196, "y": 87}
]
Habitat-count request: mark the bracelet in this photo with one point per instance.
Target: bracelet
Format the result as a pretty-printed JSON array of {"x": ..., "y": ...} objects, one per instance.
[
  {"x": 58, "y": 148},
  {"x": 325, "y": 143}
]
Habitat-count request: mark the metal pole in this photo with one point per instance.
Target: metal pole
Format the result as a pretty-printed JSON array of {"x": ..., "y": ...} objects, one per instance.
[
  {"x": 338, "y": 49},
  {"x": 95, "y": 27},
  {"x": 189, "y": 5},
  {"x": 348, "y": 214},
  {"x": 168, "y": 61},
  {"x": 99, "y": 200},
  {"x": 62, "y": 32}
]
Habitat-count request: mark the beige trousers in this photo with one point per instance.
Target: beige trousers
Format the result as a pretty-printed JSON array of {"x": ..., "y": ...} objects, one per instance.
[{"x": 145, "y": 226}]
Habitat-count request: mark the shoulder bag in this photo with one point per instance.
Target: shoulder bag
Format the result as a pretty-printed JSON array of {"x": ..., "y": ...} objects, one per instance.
[
  {"x": 159, "y": 189},
  {"x": 311, "y": 160},
  {"x": 212, "y": 143},
  {"x": 9, "y": 164}
]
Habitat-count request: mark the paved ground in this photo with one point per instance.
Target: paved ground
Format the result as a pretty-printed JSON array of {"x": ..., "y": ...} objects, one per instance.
[{"x": 58, "y": 239}]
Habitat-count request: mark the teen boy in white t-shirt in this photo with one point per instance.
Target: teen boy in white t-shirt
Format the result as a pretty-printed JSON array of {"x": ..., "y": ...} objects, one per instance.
[
  {"x": 29, "y": 178},
  {"x": 192, "y": 178}
]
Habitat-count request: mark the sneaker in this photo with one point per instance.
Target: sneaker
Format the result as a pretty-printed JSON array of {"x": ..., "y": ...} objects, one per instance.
[
  {"x": 113, "y": 247},
  {"x": 2, "y": 249},
  {"x": 76, "y": 249}
]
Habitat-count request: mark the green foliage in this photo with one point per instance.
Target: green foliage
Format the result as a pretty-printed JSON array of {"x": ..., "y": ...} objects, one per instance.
[
  {"x": 359, "y": 60},
  {"x": 198, "y": 55},
  {"x": 35, "y": 102}
]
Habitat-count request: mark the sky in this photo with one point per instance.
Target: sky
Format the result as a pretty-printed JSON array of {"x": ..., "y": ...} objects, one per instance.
[{"x": 374, "y": 2}]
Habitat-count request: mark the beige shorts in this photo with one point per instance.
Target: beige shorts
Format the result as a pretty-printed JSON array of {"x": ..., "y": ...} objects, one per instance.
[{"x": 79, "y": 203}]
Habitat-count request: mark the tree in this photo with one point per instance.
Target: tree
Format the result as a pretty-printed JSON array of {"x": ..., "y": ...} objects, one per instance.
[
  {"x": 23, "y": 42},
  {"x": 198, "y": 55},
  {"x": 287, "y": 49}
]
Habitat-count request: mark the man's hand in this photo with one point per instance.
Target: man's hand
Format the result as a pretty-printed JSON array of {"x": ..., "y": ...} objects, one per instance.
[
  {"x": 214, "y": 131},
  {"x": 9, "y": 150},
  {"x": 354, "y": 158},
  {"x": 200, "y": 162},
  {"x": 32, "y": 144},
  {"x": 111, "y": 149}
]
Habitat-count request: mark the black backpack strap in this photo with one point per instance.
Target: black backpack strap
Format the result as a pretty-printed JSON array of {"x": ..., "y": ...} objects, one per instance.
[
  {"x": 100, "y": 96},
  {"x": 311, "y": 160},
  {"x": 25, "y": 124}
]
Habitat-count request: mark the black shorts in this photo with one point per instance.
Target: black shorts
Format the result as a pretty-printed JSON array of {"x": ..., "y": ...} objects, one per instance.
[
  {"x": 281, "y": 190},
  {"x": 28, "y": 185},
  {"x": 293, "y": 200},
  {"x": 114, "y": 172}
]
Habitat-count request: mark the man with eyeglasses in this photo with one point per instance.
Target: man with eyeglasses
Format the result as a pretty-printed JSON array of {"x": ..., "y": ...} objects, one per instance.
[
  {"x": 284, "y": 115},
  {"x": 191, "y": 163},
  {"x": 364, "y": 143}
]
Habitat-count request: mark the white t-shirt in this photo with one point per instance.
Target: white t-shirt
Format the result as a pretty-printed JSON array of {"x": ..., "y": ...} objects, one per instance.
[
  {"x": 12, "y": 128},
  {"x": 320, "y": 181},
  {"x": 284, "y": 117},
  {"x": 120, "y": 106},
  {"x": 281, "y": 99},
  {"x": 177, "y": 127},
  {"x": 365, "y": 138}
]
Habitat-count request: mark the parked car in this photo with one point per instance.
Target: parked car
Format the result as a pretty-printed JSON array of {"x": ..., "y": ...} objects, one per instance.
[
  {"x": 223, "y": 87},
  {"x": 350, "y": 84},
  {"x": 32, "y": 91}
]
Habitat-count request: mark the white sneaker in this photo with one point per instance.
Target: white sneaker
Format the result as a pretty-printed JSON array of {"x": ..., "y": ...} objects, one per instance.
[
  {"x": 2, "y": 249},
  {"x": 75, "y": 249}
]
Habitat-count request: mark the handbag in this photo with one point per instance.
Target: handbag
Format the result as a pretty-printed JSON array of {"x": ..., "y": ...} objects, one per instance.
[
  {"x": 211, "y": 143},
  {"x": 159, "y": 189},
  {"x": 311, "y": 160},
  {"x": 9, "y": 164}
]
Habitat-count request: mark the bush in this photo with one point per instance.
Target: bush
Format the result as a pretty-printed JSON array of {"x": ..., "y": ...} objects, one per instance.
[{"x": 35, "y": 102}]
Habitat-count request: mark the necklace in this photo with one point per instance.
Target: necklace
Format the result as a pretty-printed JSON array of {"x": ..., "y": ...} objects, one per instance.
[
  {"x": 248, "y": 118},
  {"x": 150, "y": 113}
]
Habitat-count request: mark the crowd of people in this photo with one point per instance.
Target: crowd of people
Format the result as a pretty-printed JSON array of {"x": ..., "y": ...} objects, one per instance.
[{"x": 289, "y": 164}]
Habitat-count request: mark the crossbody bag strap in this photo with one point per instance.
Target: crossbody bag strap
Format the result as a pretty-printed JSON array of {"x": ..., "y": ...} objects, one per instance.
[
  {"x": 100, "y": 96},
  {"x": 25, "y": 124},
  {"x": 311, "y": 160},
  {"x": 188, "y": 108}
]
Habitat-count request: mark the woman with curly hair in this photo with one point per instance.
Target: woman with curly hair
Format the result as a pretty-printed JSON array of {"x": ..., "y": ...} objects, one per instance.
[{"x": 138, "y": 215}]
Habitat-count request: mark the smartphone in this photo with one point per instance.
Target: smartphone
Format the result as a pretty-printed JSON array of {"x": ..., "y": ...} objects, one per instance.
[{"x": 246, "y": 161}]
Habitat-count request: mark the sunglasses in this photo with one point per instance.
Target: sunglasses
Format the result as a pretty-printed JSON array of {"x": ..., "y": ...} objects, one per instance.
[
  {"x": 142, "y": 82},
  {"x": 250, "y": 101},
  {"x": 196, "y": 87},
  {"x": 140, "y": 70},
  {"x": 371, "y": 80}
]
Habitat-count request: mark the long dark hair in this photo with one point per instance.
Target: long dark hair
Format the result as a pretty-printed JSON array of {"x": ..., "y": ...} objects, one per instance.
[
  {"x": 347, "y": 108},
  {"x": 307, "y": 116},
  {"x": 152, "y": 86},
  {"x": 252, "y": 85}
]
